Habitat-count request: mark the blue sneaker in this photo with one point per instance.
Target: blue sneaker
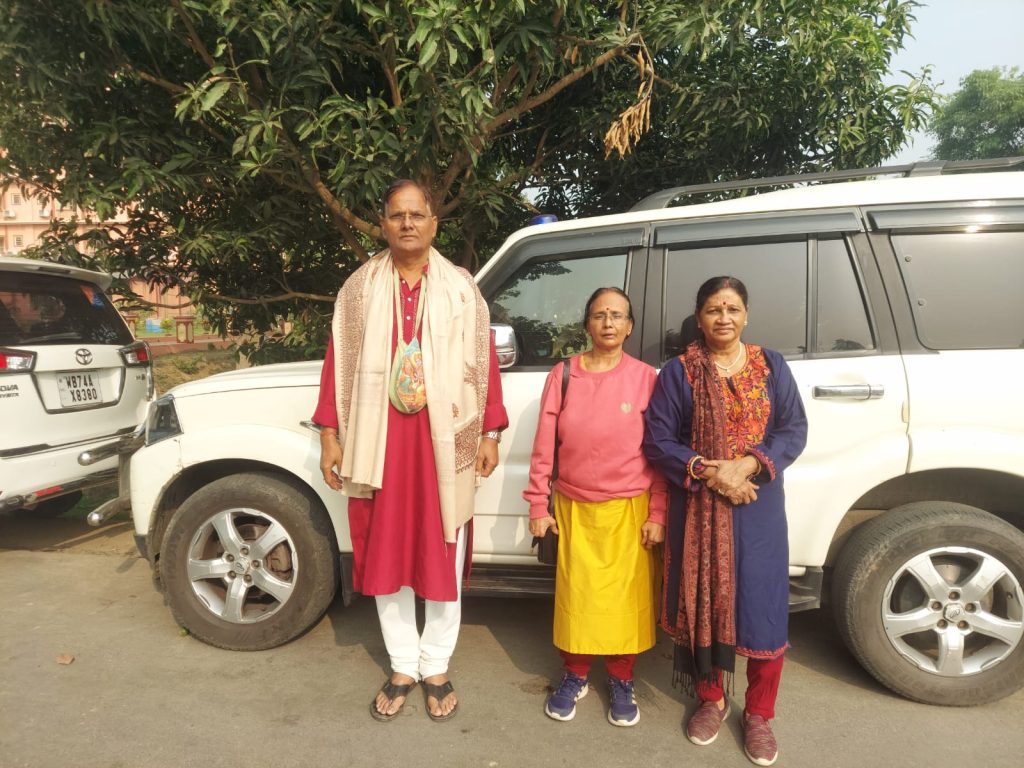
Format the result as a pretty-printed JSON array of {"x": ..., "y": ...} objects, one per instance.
[
  {"x": 561, "y": 705},
  {"x": 623, "y": 710}
]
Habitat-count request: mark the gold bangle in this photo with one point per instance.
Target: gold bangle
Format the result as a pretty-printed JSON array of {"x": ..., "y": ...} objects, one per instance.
[{"x": 690, "y": 465}]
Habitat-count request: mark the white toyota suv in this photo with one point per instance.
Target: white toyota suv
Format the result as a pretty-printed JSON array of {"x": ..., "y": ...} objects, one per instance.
[
  {"x": 72, "y": 376},
  {"x": 896, "y": 300}
]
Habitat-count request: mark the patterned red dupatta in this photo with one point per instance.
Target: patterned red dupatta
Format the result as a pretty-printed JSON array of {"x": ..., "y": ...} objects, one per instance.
[{"x": 705, "y": 625}]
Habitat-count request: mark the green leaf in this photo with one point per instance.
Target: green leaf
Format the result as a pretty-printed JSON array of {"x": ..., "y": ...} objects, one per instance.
[
  {"x": 427, "y": 53},
  {"x": 214, "y": 94}
]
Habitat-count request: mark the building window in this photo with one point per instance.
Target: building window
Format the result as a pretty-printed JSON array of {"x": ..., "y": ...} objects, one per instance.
[
  {"x": 19, "y": 241},
  {"x": 15, "y": 198}
]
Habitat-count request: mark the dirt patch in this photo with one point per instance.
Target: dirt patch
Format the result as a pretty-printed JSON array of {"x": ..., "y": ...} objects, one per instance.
[{"x": 23, "y": 530}]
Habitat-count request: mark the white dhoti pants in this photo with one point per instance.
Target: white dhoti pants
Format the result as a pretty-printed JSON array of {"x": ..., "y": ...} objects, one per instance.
[{"x": 412, "y": 654}]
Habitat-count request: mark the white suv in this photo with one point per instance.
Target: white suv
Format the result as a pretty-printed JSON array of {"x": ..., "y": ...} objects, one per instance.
[
  {"x": 72, "y": 377},
  {"x": 897, "y": 302}
]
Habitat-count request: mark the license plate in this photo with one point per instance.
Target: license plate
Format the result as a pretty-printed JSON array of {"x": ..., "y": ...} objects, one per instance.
[{"x": 79, "y": 388}]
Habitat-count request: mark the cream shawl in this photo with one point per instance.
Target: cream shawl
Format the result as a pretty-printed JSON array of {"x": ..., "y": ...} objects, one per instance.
[{"x": 456, "y": 355}]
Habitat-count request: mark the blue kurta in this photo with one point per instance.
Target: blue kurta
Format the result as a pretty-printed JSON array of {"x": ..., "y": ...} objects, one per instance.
[{"x": 759, "y": 529}]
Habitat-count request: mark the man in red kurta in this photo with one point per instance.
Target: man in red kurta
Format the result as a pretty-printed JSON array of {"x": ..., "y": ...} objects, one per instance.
[{"x": 411, "y": 412}]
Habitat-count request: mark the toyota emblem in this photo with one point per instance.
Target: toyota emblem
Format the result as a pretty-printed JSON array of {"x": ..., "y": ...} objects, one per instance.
[{"x": 83, "y": 356}]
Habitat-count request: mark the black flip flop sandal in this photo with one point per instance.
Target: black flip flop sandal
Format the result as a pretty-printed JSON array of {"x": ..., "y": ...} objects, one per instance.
[
  {"x": 439, "y": 692},
  {"x": 392, "y": 691}
]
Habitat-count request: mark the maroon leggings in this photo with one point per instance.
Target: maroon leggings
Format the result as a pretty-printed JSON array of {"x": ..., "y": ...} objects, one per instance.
[
  {"x": 618, "y": 666},
  {"x": 763, "y": 677}
]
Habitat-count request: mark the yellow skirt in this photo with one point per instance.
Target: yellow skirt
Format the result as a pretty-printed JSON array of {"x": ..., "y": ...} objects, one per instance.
[{"x": 605, "y": 580}]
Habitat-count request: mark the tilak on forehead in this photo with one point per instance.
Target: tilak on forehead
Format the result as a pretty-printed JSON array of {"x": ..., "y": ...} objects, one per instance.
[{"x": 725, "y": 301}]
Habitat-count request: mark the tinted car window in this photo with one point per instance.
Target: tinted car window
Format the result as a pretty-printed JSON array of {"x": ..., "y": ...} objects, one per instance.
[
  {"x": 543, "y": 301},
  {"x": 965, "y": 288},
  {"x": 841, "y": 321},
  {"x": 41, "y": 310},
  {"x": 776, "y": 278}
]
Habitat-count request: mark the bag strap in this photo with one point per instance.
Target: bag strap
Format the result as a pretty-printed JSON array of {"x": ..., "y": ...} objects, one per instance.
[
  {"x": 565, "y": 389},
  {"x": 565, "y": 381}
]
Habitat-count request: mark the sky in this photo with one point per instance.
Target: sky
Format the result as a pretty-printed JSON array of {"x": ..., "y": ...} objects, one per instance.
[{"x": 957, "y": 37}]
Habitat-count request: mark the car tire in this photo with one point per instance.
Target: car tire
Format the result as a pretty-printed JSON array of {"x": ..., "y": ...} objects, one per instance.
[
  {"x": 928, "y": 599},
  {"x": 249, "y": 562}
]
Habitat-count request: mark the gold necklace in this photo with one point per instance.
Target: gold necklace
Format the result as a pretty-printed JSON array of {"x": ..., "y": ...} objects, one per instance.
[{"x": 734, "y": 360}]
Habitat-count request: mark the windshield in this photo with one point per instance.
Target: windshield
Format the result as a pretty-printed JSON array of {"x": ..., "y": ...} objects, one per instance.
[{"x": 43, "y": 309}]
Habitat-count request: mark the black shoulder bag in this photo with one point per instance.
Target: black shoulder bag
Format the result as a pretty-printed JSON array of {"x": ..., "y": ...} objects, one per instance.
[{"x": 547, "y": 545}]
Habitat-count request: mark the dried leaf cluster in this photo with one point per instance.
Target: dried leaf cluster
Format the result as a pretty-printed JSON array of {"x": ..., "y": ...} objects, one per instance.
[{"x": 626, "y": 130}]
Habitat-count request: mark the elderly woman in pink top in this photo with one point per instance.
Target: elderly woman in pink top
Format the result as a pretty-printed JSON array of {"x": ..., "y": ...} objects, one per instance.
[{"x": 609, "y": 509}]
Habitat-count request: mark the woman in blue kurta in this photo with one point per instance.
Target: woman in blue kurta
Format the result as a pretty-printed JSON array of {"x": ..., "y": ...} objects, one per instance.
[{"x": 723, "y": 423}]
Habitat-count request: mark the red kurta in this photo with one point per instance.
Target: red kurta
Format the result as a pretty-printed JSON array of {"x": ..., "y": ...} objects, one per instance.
[{"x": 397, "y": 540}]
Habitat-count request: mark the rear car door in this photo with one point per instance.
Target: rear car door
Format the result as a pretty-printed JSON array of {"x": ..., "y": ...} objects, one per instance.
[
  {"x": 958, "y": 269},
  {"x": 816, "y": 297}
]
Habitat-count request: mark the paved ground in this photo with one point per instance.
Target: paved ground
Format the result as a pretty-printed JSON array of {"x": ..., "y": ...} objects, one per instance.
[{"x": 140, "y": 693}]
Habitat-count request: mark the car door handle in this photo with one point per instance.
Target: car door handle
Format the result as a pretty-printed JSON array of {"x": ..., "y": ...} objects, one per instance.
[{"x": 851, "y": 391}]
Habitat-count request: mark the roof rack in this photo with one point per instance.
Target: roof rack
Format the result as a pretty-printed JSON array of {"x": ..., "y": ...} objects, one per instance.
[{"x": 664, "y": 198}]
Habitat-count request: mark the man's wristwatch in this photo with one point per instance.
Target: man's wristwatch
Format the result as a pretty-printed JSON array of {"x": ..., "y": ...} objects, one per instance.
[{"x": 494, "y": 434}]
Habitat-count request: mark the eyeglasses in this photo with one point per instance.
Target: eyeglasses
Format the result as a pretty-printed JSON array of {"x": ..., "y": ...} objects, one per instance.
[
  {"x": 399, "y": 218},
  {"x": 617, "y": 318}
]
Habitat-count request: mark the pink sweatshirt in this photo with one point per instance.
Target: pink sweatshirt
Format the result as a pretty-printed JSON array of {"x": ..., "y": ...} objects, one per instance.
[{"x": 600, "y": 432}]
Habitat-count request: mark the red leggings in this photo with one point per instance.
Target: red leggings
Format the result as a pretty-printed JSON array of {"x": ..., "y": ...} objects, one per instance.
[
  {"x": 618, "y": 666},
  {"x": 763, "y": 677}
]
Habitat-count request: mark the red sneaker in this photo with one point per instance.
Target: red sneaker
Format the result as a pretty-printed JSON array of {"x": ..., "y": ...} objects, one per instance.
[
  {"x": 706, "y": 721},
  {"x": 759, "y": 741}
]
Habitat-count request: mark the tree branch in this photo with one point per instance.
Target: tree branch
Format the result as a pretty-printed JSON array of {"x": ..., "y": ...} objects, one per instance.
[
  {"x": 176, "y": 90},
  {"x": 195, "y": 43},
  {"x": 344, "y": 220},
  {"x": 387, "y": 61},
  {"x": 531, "y": 80},
  {"x": 458, "y": 164},
  {"x": 554, "y": 90},
  {"x": 136, "y": 299},
  {"x": 461, "y": 161},
  {"x": 167, "y": 85},
  {"x": 503, "y": 84},
  {"x": 264, "y": 300}
]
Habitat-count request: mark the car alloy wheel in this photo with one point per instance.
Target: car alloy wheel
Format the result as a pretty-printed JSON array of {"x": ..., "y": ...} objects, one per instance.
[
  {"x": 242, "y": 565},
  {"x": 928, "y": 598},
  {"x": 249, "y": 561},
  {"x": 954, "y": 611}
]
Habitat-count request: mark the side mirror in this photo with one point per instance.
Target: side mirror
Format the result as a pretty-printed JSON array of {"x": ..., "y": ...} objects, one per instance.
[{"x": 505, "y": 345}]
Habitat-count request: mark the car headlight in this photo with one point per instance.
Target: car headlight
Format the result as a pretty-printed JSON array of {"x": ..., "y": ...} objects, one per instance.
[{"x": 162, "y": 421}]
